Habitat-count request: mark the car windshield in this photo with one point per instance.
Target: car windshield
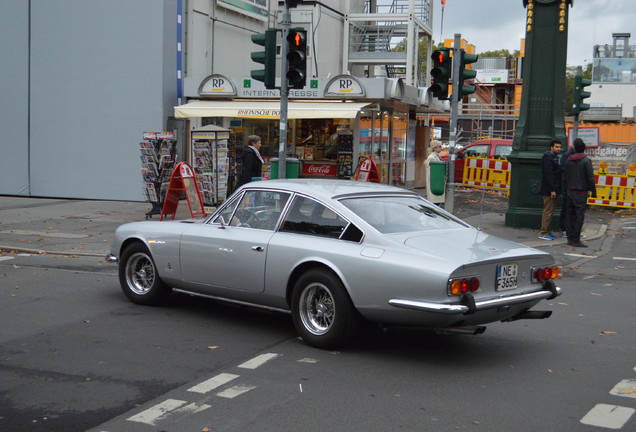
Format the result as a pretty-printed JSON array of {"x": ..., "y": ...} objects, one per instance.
[{"x": 395, "y": 214}]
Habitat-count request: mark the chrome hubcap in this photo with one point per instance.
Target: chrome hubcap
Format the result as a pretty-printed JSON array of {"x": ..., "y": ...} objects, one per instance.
[
  {"x": 317, "y": 308},
  {"x": 140, "y": 273}
]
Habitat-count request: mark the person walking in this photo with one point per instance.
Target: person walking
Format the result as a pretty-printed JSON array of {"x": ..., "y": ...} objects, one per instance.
[
  {"x": 550, "y": 187},
  {"x": 435, "y": 148},
  {"x": 579, "y": 182},
  {"x": 562, "y": 223},
  {"x": 251, "y": 161}
]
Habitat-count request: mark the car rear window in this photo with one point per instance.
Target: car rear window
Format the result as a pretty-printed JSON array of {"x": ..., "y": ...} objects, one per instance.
[{"x": 401, "y": 214}]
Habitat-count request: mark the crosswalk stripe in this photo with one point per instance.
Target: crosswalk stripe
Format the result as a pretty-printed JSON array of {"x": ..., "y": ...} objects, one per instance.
[
  {"x": 235, "y": 391},
  {"x": 258, "y": 361},
  {"x": 213, "y": 383},
  {"x": 608, "y": 416},
  {"x": 151, "y": 415}
]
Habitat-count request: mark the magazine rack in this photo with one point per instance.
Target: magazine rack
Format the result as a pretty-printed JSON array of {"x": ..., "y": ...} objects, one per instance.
[{"x": 158, "y": 158}]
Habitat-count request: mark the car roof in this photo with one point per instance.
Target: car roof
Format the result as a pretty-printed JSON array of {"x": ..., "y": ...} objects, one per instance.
[
  {"x": 329, "y": 189},
  {"x": 497, "y": 141}
]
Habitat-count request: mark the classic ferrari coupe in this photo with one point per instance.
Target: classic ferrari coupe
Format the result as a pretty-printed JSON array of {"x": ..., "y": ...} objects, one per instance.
[{"x": 335, "y": 253}]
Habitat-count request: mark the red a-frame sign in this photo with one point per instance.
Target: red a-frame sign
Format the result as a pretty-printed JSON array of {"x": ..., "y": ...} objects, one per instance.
[
  {"x": 182, "y": 180},
  {"x": 367, "y": 171}
]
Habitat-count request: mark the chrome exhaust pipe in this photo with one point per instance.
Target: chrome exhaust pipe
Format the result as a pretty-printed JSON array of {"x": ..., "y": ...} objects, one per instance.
[{"x": 531, "y": 315}]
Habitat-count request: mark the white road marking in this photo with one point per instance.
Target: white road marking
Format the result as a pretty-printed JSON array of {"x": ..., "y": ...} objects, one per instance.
[
  {"x": 6, "y": 258},
  {"x": 307, "y": 360},
  {"x": 213, "y": 383},
  {"x": 45, "y": 234},
  {"x": 258, "y": 361},
  {"x": 626, "y": 227},
  {"x": 608, "y": 416},
  {"x": 626, "y": 388},
  {"x": 235, "y": 391},
  {"x": 623, "y": 258},
  {"x": 191, "y": 409},
  {"x": 579, "y": 255},
  {"x": 151, "y": 415}
]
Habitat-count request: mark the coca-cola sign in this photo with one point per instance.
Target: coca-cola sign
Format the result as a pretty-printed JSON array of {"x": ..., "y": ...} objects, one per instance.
[{"x": 320, "y": 169}]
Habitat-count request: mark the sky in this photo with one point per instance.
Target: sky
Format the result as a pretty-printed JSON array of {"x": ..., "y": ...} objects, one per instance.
[{"x": 500, "y": 24}]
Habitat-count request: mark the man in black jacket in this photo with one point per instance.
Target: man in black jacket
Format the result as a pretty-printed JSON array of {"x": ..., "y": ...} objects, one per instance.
[
  {"x": 562, "y": 224},
  {"x": 550, "y": 187},
  {"x": 579, "y": 181}
]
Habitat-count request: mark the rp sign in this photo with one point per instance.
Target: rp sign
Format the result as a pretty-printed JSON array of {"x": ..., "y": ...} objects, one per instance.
[{"x": 344, "y": 85}]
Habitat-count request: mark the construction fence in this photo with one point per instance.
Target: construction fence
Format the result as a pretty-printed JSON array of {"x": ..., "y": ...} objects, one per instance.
[{"x": 611, "y": 190}]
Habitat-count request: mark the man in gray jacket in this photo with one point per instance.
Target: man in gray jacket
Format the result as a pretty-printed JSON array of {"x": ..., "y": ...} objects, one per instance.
[{"x": 579, "y": 181}]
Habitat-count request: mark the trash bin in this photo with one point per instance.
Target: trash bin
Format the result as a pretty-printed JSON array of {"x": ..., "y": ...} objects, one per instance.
[
  {"x": 291, "y": 168},
  {"x": 438, "y": 177}
]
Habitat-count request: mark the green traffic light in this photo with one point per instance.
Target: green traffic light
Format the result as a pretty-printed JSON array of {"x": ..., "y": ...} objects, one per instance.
[
  {"x": 580, "y": 94},
  {"x": 466, "y": 74},
  {"x": 267, "y": 58}
]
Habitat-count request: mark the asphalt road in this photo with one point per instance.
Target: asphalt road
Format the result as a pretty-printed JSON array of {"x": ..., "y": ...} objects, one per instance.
[{"x": 75, "y": 355}]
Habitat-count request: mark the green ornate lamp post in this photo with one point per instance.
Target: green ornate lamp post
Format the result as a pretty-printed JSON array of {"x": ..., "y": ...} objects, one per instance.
[{"x": 541, "y": 116}]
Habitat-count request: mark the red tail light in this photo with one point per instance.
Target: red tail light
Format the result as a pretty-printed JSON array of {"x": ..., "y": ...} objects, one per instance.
[
  {"x": 545, "y": 273},
  {"x": 462, "y": 285}
]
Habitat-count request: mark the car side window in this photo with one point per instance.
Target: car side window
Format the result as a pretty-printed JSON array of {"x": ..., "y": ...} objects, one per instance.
[
  {"x": 503, "y": 150},
  {"x": 226, "y": 214},
  {"x": 306, "y": 216},
  {"x": 477, "y": 151},
  {"x": 259, "y": 209}
]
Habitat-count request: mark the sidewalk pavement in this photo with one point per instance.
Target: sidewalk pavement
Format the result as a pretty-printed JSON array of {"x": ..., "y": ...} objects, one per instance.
[{"x": 86, "y": 228}]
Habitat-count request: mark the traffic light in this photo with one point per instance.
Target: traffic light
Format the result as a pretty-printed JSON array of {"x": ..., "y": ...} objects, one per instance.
[
  {"x": 579, "y": 94},
  {"x": 465, "y": 74},
  {"x": 441, "y": 72},
  {"x": 266, "y": 58},
  {"x": 297, "y": 58}
]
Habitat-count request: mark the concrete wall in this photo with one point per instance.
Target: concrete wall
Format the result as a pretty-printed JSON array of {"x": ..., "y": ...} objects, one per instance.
[
  {"x": 90, "y": 78},
  {"x": 14, "y": 86}
]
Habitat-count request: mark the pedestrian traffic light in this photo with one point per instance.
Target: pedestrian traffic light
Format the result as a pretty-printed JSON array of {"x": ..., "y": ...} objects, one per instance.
[
  {"x": 579, "y": 94},
  {"x": 466, "y": 74},
  {"x": 266, "y": 58},
  {"x": 297, "y": 58},
  {"x": 441, "y": 73}
]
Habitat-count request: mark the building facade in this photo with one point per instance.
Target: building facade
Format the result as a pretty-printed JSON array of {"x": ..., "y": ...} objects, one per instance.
[{"x": 85, "y": 79}]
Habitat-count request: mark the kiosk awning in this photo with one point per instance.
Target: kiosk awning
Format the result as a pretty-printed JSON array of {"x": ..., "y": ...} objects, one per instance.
[{"x": 268, "y": 109}]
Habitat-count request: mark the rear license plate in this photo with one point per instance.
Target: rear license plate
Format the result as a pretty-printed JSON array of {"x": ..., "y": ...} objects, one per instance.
[{"x": 507, "y": 277}]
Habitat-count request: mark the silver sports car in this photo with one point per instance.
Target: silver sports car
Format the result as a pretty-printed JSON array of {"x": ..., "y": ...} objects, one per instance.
[{"x": 334, "y": 253}]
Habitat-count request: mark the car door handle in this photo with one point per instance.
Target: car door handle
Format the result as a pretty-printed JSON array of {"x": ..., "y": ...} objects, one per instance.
[{"x": 258, "y": 248}]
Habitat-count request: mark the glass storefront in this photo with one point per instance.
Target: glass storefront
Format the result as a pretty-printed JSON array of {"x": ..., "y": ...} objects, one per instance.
[
  {"x": 325, "y": 147},
  {"x": 383, "y": 137}
]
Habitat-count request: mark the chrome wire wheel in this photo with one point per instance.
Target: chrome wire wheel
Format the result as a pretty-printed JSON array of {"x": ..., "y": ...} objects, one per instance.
[
  {"x": 140, "y": 273},
  {"x": 317, "y": 308}
]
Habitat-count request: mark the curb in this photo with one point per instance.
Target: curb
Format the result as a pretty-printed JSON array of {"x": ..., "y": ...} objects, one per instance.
[{"x": 46, "y": 252}]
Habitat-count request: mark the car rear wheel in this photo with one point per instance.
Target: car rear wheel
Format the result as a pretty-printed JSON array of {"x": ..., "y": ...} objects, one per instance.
[
  {"x": 138, "y": 276},
  {"x": 322, "y": 311}
]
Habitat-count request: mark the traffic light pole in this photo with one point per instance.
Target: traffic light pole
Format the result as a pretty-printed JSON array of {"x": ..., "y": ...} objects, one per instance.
[
  {"x": 449, "y": 203},
  {"x": 575, "y": 129},
  {"x": 284, "y": 94}
]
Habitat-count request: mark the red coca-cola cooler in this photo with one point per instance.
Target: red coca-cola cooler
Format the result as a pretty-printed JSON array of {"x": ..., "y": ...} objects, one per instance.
[{"x": 319, "y": 169}]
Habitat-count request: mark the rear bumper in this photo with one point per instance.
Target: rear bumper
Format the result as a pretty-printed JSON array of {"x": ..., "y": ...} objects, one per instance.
[{"x": 469, "y": 305}]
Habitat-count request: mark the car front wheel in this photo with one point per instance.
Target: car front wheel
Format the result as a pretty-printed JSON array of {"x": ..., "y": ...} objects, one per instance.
[
  {"x": 322, "y": 311},
  {"x": 138, "y": 276}
]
